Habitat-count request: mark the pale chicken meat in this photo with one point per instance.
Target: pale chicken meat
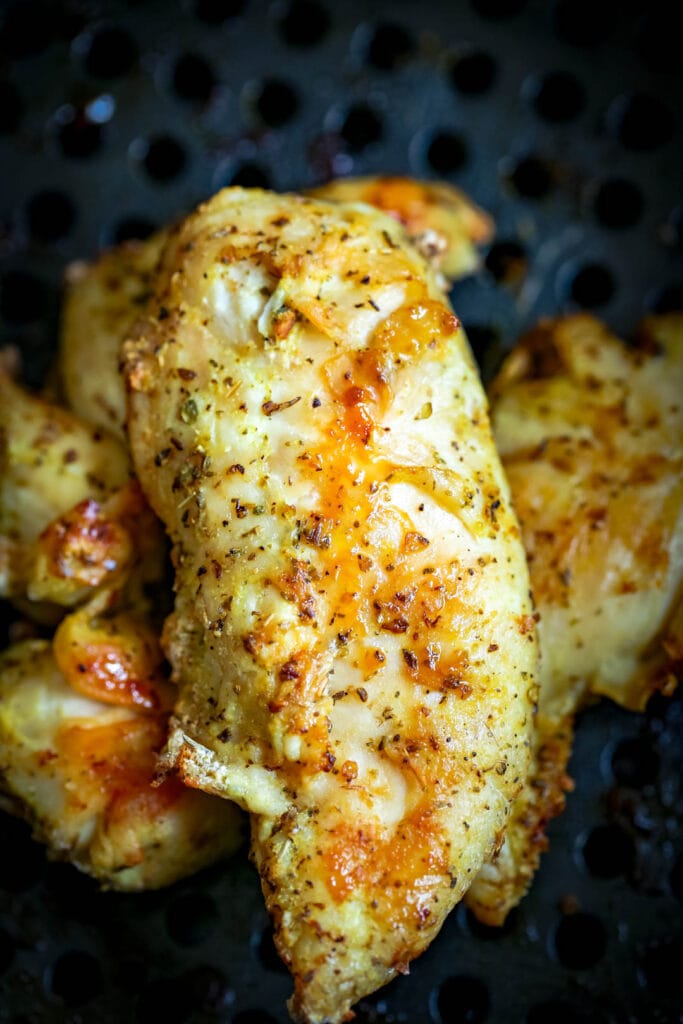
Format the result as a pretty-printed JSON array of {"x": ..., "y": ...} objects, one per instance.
[
  {"x": 352, "y": 634},
  {"x": 591, "y": 436},
  {"x": 84, "y": 716}
]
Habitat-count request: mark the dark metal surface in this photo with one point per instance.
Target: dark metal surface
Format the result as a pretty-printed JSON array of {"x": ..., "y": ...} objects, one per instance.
[{"x": 564, "y": 121}]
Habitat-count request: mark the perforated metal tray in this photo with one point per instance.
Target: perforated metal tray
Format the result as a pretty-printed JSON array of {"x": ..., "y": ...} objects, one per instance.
[{"x": 564, "y": 121}]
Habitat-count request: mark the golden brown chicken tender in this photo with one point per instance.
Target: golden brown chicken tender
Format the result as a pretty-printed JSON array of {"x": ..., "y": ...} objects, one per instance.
[
  {"x": 591, "y": 436},
  {"x": 83, "y": 717},
  {"x": 106, "y": 296},
  {"x": 352, "y": 634}
]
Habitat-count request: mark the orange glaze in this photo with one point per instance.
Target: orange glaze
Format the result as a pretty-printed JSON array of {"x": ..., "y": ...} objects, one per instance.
[
  {"x": 114, "y": 765},
  {"x": 115, "y": 659},
  {"x": 394, "y": 874},
  {"x": 85, "y": 545},
  {"x": 401, "y": 198}
]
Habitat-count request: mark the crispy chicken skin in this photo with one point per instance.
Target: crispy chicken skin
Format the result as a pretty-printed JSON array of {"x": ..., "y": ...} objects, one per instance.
[
  {"x": 591, "y": 436},
  {"x": 352, "y": 632},
  {"x": 81, "y": 772}
]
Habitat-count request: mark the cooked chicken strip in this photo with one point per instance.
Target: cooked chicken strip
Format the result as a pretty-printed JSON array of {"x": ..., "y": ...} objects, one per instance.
[
  {"x": 591, "y": 435},
  {"x": 352, "y": 633},
  {"x": 81, "y": 772},
  {"x": 104, "y": 298},
  {"x": 82, "y": 719},
  {"x": 444, "y": 223},
  {"x": 50, "y": 462}
]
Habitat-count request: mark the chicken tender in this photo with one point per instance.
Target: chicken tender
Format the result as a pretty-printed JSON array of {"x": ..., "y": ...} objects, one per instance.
[
  {"x": 81, "y": 772},
  {"x": 50, "y": 462},
  {"x": 591, "y": 436},
  {"x": 82, "y": 718},
  {"x": 442, "y": 222},
  {"x": 102, "y": 301},
  {"x": 352, "y": 634},
  {"x": 104, "y": 298}
]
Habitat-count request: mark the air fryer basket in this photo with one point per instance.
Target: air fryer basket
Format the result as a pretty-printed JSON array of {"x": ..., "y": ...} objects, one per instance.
[{"x": 562, "y": 119}]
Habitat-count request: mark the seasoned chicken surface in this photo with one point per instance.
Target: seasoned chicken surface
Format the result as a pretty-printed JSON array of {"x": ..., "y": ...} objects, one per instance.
[
  {"x": 442, "y": 222},
  {"x": 50, "y": 462},
  {"x": 102, "y": 301},
  {"x": 105, "y": 297},
  {"x": 83, "y": 717},
  {"x": 591, "y": 436},
  {"x": 81, "y": 772},
  {"x": 352, "y": 634}
]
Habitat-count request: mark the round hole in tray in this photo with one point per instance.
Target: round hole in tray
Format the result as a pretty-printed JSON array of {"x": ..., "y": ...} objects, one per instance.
[
  {"x": 463, "y": 999},
  {"x": 389, "y": 45},
  {"x": 163, "y": 157},
  {"x": 531, "y": 177},
  {"x": 580, "y": 940},
  {"x": 214, "y": 12},
  {"x": 635, "y": 762},
  {"x": 557, "y": 96},
  {"x": 193, "y": 78},
  {"x": 303, "y": 23},
  {"x": 446, "y": 152},
  {"x": 361, "y": 127},
  {"x": 50, "y": 215},
  {"x": 251, "y": 175},
  {"x": 618, "y": 203},
  {"x": 76, "y": 978},
  {"x": 112, "y": 52},
  {"x": 473, "y": 73},
  {"x": 641, "y": 122},
  {"x": 276, "y": 102},
  {"x": 609, "y": 851},
  {"x": 11, "y": 108},
  {"x": 592, "y": 285}
]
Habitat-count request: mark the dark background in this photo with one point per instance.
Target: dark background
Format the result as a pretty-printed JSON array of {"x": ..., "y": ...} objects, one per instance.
[{"x": 564, "y": 121}]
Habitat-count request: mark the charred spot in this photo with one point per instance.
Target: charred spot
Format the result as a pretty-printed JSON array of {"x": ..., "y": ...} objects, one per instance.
[{"x": 290, "y": 670}]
